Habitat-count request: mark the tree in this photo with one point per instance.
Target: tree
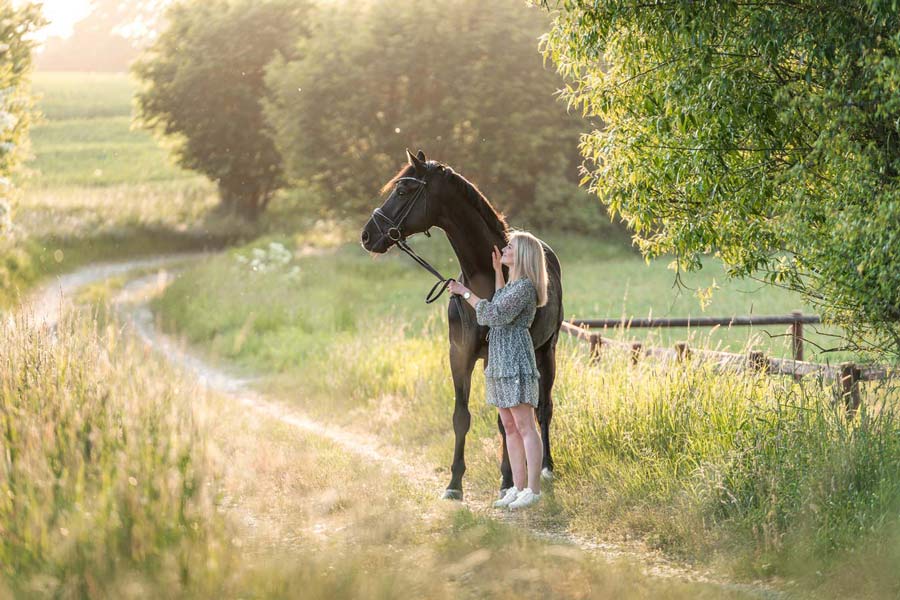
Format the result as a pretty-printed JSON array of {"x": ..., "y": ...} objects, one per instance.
[
  {"x": 765, "y": 132},
  {"x": 203, "y": 88},
  {"x": 17, "y": 26},
  {"x": 461, "y": 79}
]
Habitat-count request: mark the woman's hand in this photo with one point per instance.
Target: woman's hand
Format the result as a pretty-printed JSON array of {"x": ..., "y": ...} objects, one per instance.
[
  {"x": 496, "y": 257},
  {"x": 456, "y": 287}
]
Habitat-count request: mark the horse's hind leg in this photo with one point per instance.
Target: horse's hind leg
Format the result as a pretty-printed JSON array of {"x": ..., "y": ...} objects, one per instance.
[
  {"x": 505, "y": 468},
  {"x": 461, "y": 364},
  {"x": 546, "y": 362}
]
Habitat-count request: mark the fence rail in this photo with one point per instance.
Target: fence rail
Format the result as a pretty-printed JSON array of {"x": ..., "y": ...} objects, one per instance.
[
  {"x": 699, "y": 321},
  {"x": 845, "y": 376},
  {"x": 796, "y": 320}
]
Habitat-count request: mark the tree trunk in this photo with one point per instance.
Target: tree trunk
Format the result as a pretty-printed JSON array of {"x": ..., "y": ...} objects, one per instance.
[{"x": 240, "y": 199}]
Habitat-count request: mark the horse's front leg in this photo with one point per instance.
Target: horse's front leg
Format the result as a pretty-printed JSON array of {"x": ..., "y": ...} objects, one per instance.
[{"x": 461, "y": 364}]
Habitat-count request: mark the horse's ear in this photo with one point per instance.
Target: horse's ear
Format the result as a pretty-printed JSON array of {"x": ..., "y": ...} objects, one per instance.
[
  {"x": 415, "y": 161},
  {"x": 420, "y": 155}
]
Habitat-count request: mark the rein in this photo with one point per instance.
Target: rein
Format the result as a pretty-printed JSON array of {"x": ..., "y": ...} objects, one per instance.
[{"x": 397, "y": 236}]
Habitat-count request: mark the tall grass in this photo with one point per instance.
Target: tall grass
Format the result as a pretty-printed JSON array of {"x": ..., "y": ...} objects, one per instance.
[
  {"x": 763, "y": 475},
  {"x": 115, "y": 482},
  {"x": 767, "y": 473},
  {"x": 105, "y": 477}
]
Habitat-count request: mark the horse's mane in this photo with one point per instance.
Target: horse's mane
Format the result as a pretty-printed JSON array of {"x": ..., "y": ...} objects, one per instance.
[{"x": 494, "y": 219}]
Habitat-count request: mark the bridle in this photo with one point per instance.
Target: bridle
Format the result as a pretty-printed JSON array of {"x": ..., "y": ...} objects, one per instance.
[
  {"x": 396, "y": 235},
  {"x": 393, "y": 231}
]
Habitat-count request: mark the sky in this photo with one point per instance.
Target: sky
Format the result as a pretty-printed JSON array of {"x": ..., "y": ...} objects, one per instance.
[{"x": 63, "y": 14}]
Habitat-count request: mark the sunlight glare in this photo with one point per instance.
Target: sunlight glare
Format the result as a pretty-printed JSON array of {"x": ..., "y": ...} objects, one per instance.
[{"x": 62, "y": 15}]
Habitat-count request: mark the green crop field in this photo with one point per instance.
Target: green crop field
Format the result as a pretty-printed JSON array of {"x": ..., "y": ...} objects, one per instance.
[
  {"x": 97, "y": 188},
  {"x": 86, "y": 137}
]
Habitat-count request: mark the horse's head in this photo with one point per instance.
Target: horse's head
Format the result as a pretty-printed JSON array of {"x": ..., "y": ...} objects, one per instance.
[{"x": 410, "y": 206}]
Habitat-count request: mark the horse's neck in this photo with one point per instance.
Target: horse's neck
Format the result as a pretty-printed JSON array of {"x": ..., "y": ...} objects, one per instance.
[{"x": 473, "y": 241}]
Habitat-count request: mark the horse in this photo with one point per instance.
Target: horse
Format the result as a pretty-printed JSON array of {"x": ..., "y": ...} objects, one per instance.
[{"x": 425, "y": 194}]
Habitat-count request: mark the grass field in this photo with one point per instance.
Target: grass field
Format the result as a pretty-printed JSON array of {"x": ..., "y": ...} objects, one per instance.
[
  {"x": 87, "y": 138},
  {"x": 125, "y": 479},
  {"x": 102, "y": 189},
  {"x": 763, "y": 476},
  {"x": 99, "y": 190},
  {"x": 67, "y": 95},
  {"x": 599, "y": 280}
]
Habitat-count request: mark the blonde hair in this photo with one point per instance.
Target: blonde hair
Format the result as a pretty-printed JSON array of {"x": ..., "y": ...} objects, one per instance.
[{"x": 530, "y": 263}]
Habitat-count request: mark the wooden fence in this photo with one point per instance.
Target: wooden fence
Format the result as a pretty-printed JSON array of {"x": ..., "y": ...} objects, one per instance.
[{"x": 845, "y": 376}]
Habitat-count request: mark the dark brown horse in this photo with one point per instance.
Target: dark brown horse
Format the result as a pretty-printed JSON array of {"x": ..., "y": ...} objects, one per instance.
[{"x": 427, "y": 194}]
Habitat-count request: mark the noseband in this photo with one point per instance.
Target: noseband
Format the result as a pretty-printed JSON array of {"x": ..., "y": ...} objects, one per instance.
[
  {"x": 394, "y": 232},
  {"x": 396, "y": 235}
]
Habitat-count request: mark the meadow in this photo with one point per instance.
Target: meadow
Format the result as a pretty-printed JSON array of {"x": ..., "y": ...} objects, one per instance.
[
  {"x": 133, "y": 488},
  {"x": 99, "y": 189},
  {"x": 86, "y": 137},
  {"x": 344, "y": 290},
  {"x": 761, "y": 477},
  {"x": 125, "y": 478}
]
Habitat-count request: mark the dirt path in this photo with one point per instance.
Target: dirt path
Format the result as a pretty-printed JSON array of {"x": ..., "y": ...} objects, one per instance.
[
  {"x": 132, "y": 303},
  {"x": 45, "y": 303}
]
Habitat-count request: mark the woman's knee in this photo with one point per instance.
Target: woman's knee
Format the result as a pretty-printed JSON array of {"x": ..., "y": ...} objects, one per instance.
[
  {"x": 509, "y": 422},
  {"x": 523, "y": 415}
]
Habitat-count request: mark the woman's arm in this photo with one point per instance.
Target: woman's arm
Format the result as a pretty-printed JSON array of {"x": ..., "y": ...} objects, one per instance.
[
  {"x": 498, "y": 280},
  {"x": 496, "y": 258},
  {"x": 473, "y": 299},
  {"x": 504, "y": 310}
]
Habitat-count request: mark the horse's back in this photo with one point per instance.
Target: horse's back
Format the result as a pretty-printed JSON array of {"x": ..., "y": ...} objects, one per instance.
[{"x": 548, "y": 318}]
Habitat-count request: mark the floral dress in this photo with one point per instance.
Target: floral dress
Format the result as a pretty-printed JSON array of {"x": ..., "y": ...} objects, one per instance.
[{"x": 511, "y": 376}]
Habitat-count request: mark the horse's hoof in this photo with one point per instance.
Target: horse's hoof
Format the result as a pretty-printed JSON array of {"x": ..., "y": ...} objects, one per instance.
[
  {"x": 452, "y": 494},
  {"x": 546, "y": 474}
]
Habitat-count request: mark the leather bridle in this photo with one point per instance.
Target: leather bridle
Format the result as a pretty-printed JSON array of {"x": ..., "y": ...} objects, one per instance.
[{"x": 396, "y": 235}]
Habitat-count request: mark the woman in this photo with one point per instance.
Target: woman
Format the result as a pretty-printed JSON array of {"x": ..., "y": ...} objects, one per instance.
[{"x": 511, "y": 376}]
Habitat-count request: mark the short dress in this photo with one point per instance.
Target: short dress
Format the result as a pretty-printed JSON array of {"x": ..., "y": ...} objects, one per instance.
[{"x": 511, "y": 377}]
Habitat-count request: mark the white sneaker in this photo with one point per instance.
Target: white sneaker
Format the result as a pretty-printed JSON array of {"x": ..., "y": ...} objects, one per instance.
[
  {"x": 525, "y": 498},
  {"x": 510, "y": 495}
]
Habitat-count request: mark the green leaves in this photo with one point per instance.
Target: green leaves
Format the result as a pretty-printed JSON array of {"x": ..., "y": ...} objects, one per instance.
[
  {"x": 462, "y": 80},
  {"x": 18, "y": 22},
  {"x": 204, "y": 87},
  {"x": 766, "y": 133}
]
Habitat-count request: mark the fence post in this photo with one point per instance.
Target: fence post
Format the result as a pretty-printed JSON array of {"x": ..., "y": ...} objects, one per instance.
[
  {"x": 758, "y": 361},
  {"x": 682, "y": 351},
  {"x": 636, "y": 348},
  {"x": 596, "y": 346},
  {"x": 849, "y": 385},
  {"x": 797, "y": 336}
]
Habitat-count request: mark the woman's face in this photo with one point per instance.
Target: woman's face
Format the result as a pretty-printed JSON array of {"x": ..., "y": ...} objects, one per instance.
[{"x": 508, "y": 256}]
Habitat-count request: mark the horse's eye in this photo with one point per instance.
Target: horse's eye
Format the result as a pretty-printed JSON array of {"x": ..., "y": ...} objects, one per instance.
[{"x": 401, "y": 192}]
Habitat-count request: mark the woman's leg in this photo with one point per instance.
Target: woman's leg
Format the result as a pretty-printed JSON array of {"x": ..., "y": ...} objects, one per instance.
[
  {"x": 514, "y": 448},
  {"x": 523, "y": 414}
]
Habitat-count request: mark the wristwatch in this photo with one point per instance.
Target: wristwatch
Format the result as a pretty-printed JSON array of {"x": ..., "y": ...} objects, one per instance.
[{"x": 467, "y": 295}]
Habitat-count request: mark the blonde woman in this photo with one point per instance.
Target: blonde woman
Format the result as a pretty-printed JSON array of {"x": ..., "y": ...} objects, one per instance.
[{"x": 511, "y": 377}]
